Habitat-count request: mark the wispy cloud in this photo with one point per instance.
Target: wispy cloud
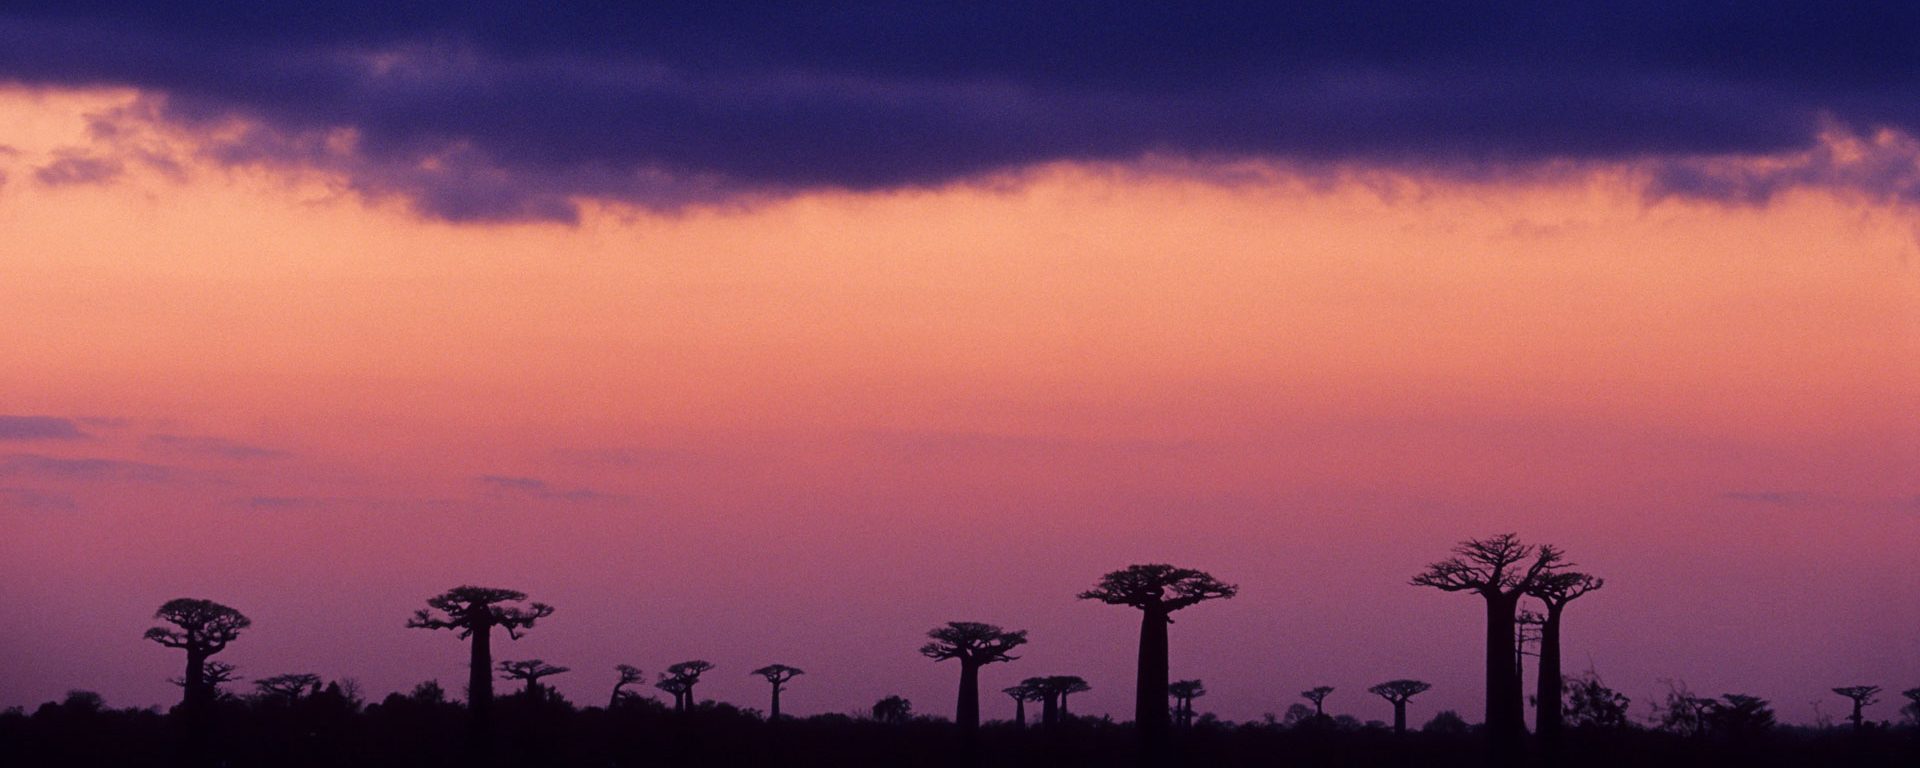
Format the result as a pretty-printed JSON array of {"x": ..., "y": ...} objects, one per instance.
[
  {"x": 38, "y": 428},
  {"x": 32, "y": 500},
  {"x": 55, "y": 468},
  {"x": 535, "y": 488},
  {"x": 211, "y": 446},
  {"x": 1776, "y": 498},
  {"x": 74, "y": 168}
]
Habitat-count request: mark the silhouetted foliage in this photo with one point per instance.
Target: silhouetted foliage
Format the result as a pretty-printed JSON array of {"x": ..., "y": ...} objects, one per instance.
[
  {"x": 777, "y": 675},
  {"x": 290, "y": 686},
  {"x": 974, "y": 645},
  {"x": 202, "y": 628},
  {"x": 1500, "y": 570},
  {"x": 473, "y": 612},
  {"x": 893, "y": 710},
  {"x": 1157, "y": 591},
  {"x": 1591, "y": 704},
  {"x": 1183, "y": 693},
  {"x": 1447, "y": 723},
  {"x": 1739, "y": 717},
  {"x": 1912, "y": 709},
  {"x": 530, "y": 671},
  {"x": 1397, "y": 692}
]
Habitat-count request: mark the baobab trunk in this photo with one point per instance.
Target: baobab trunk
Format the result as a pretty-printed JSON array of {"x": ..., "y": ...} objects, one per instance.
[
  {"x": 967, "y": 711},
  {"x": 1050, "y": 710},
  {"x": 1020, "y": 713},
  {"x": 1547, "y": 718},
  {"x": 195, "y": 681},
  {"x": 1506, "y": 718},
  {"x": 480, "y": 675},
  {"x": 1150, "y": 687},
  {"x": 773, "y": 711},
  {"x": 1400, "y": 716}
]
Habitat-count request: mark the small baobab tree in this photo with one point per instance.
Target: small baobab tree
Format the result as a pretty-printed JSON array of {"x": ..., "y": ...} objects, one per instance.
[
  {"x": 1912, "y": 709},
  {"x": 1183, "y": 693},
  {"x": 1500, "y": 569},
  {"x": 974, "y": 645},
  {"x": 1021, "y": 694},
  {"x": 1555, "y": 591},
  {"x": 777, "y": 675},
  {"x": 1318, "y": 695},
  {"x": 1862, "y": 696},
  {"x": 202, "y": 628},
  {"x": 531, "y": 671},
  {"x": 1397, "y": 692},
  {"x": 289, "y": 686},
  {"x": 473, "y": 612},
  {"x": 1057, "y": 688},
  {"x": 680, "y": 679},
  {"x": 1157, "y": 591},
  {"x": 629, "y": 675}
]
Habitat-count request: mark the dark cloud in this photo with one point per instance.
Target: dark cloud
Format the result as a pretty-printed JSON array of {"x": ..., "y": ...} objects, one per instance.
[
  {"x": 55, "y": 468},
  {"x": 211, "y": 446},
  {"x": 479, "y": 111},
  {"x": 38, "y": 428},
  {"x": 71, "y": 169},
  {"x": 30, "y": 500},
  {"x": 534, "y": 488}
]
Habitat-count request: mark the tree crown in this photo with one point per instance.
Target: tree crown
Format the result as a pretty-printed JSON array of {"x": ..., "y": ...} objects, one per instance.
[
  {"x": 1158, "y": 587},
  {"x": 1318, "y": 694},
  {"x": 778, "y": 673},
  {"x": 1562, "y": 587},
  {"x": 1186, "y": 689},
  {"x": 1865, "y": 694},
  {"x": 202, "y": 626},
  {"x": 469, "y": 608},
  {"x": 530, "y": 670},
  {"x": 1497, "y": 565},
  {"x": 1400, "y": 690},
  {"x": 689, "y": 671},
  {"x": 972, "y": 642},
  {"x": 289, "y": 685}
]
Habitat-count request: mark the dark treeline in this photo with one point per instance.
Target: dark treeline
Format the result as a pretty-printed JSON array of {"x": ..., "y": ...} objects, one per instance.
[{"x": 298, "y": 719}]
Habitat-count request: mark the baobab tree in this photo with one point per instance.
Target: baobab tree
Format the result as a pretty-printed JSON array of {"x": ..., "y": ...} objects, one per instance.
[
  {"x": 777, "y": 675},
  {"x": 974, "y": 645},
  {"x": 680, "y": 679},
  {"x": 202, "y": 628},
  {"x": 1912, "y": 709},
  {"x": 1057, "y": 688},
  {"x": 217, "y": 673},
  {"x": 1183, "y": 693},
  {"x": 289, "y": 686},
  {"x": 473, "y": 612},
  {"x": 629, "y": 675},
  {"x": 1397, "y": 692},
  {"x": 1156, "y": 590},
  {"x": 1318, "y": 695},
  {"x": 1500, "y": 570},
  {"x": 531, "y": 671},
  {"x": 1555, "y": 591},
  {"x": 1862, "y": 696},
  {"x": 1021, "y": 694}
]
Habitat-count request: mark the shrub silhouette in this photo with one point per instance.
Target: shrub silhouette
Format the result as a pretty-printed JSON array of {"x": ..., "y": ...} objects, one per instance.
[
  {"x": 777, "y": 675},
  {"x": 1157, "y": 591},
  {"x": 893, "y": 710},
  {"x": 473, "y": 612},
  {"x": 1591, "y": 704},
  {"x": 974, "y": 645},
  {"x": 1397, "y": 692}
]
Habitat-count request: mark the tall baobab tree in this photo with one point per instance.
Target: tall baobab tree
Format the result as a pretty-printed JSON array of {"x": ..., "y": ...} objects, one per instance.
[
  {"x": 1183, "y": 693},
  {"x": 1397, "y": 692},
  {"x": 777, "y": 675},
  {"x": 531, "y": 671},
  {"x": 1318, "y": 695},
  {"x": 202, "y": 628},
  {"x": 680, "y": 679},
  {"x": 629, "y": 675},
  {"x": 473, "y": 612},
  {"x": 1500, "y": 570},
  {"x": 289, "y": 686},
  {"x": 1156, "y": 590},
  {"x": 1862, "y": 696},
  {"x": 974, "y": 645},
  {"x": 1555, "y": 591}
]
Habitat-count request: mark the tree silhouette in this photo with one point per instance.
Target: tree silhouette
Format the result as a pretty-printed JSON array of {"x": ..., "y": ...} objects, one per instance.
[
  {"x": 473, "y": 612},
  {"x": 1912, "y": 709},
  {"x": 217, "y": 673},
  {"x": 1397, "y": 692},
  {"x": 1021, "y": 694},
  {"x": 1500, "y": 570},
  {"x": 1739, "y": 717},
  {"x": 629, "y": 675},
  {"x": 1862, "y": 696},
  {"x": 1156, "y": 590},
  {"x": 974, "y": 645},
  {"x": 777, "y": 675},
  {"x": 680, "y": 679},
  {"x": 1056, "y": 689},
  {"x": 893, "y": 710},
  {"x": 289, "y": 686},
  {"x": 1317, "y": 696},
  {"x": 1591, "y": 704},
  {"x": 1555, "y": 591},
  {"x": 202, "y": 628},
  {"x": 1183, "y": 693},
  {"x": 530, "y": 670}
]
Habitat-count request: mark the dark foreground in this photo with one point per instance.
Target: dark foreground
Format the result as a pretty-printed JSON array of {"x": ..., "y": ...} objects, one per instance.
[{"x": 414, "y": 731}]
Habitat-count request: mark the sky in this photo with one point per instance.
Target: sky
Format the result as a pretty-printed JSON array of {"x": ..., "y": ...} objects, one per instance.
[{"x": 763, "y": 335}]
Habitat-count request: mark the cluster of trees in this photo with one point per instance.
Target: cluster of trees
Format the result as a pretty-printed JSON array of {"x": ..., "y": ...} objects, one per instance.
[{"x": 1502, "y": 570}]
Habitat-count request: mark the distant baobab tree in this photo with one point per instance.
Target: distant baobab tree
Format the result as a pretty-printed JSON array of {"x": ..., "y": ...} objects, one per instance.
[
  {"x": 1862, "y": 696},
  {"x": 629, "y": 675},
  {"x": 1397, "y": 692},
  {"x": 777, "y": 675},
  {"x": 473, "y": 612},
  {"x": 893, "y": 710},
  {"x": 1156, "y": 590},
  {"x": 1183, "y": 693},
  {"x": 680, "y": 679},
  {"x": 531, "y": 671},
  {"x": 1318, "y": 696},
  {"x": 1555, "y": 591},
  {"x": 1500, "y": 570},
  {"x": 289, "y": 686},
  {"x": 1057, "y": 688},
  {"x": 202, "y": 628},
  {"x": 974, "y": 645},
  {"x": 1021, "y": 694}
]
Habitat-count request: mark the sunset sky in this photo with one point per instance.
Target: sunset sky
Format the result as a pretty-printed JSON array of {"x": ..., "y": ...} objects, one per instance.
[{"x": 765, "y": 336}]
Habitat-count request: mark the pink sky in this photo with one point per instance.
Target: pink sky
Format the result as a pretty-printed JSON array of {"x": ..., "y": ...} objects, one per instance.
[{"x": 806, "y": 431}]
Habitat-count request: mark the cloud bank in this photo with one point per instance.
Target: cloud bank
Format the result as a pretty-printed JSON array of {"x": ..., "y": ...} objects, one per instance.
[{"x": 502, "y": 111}]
